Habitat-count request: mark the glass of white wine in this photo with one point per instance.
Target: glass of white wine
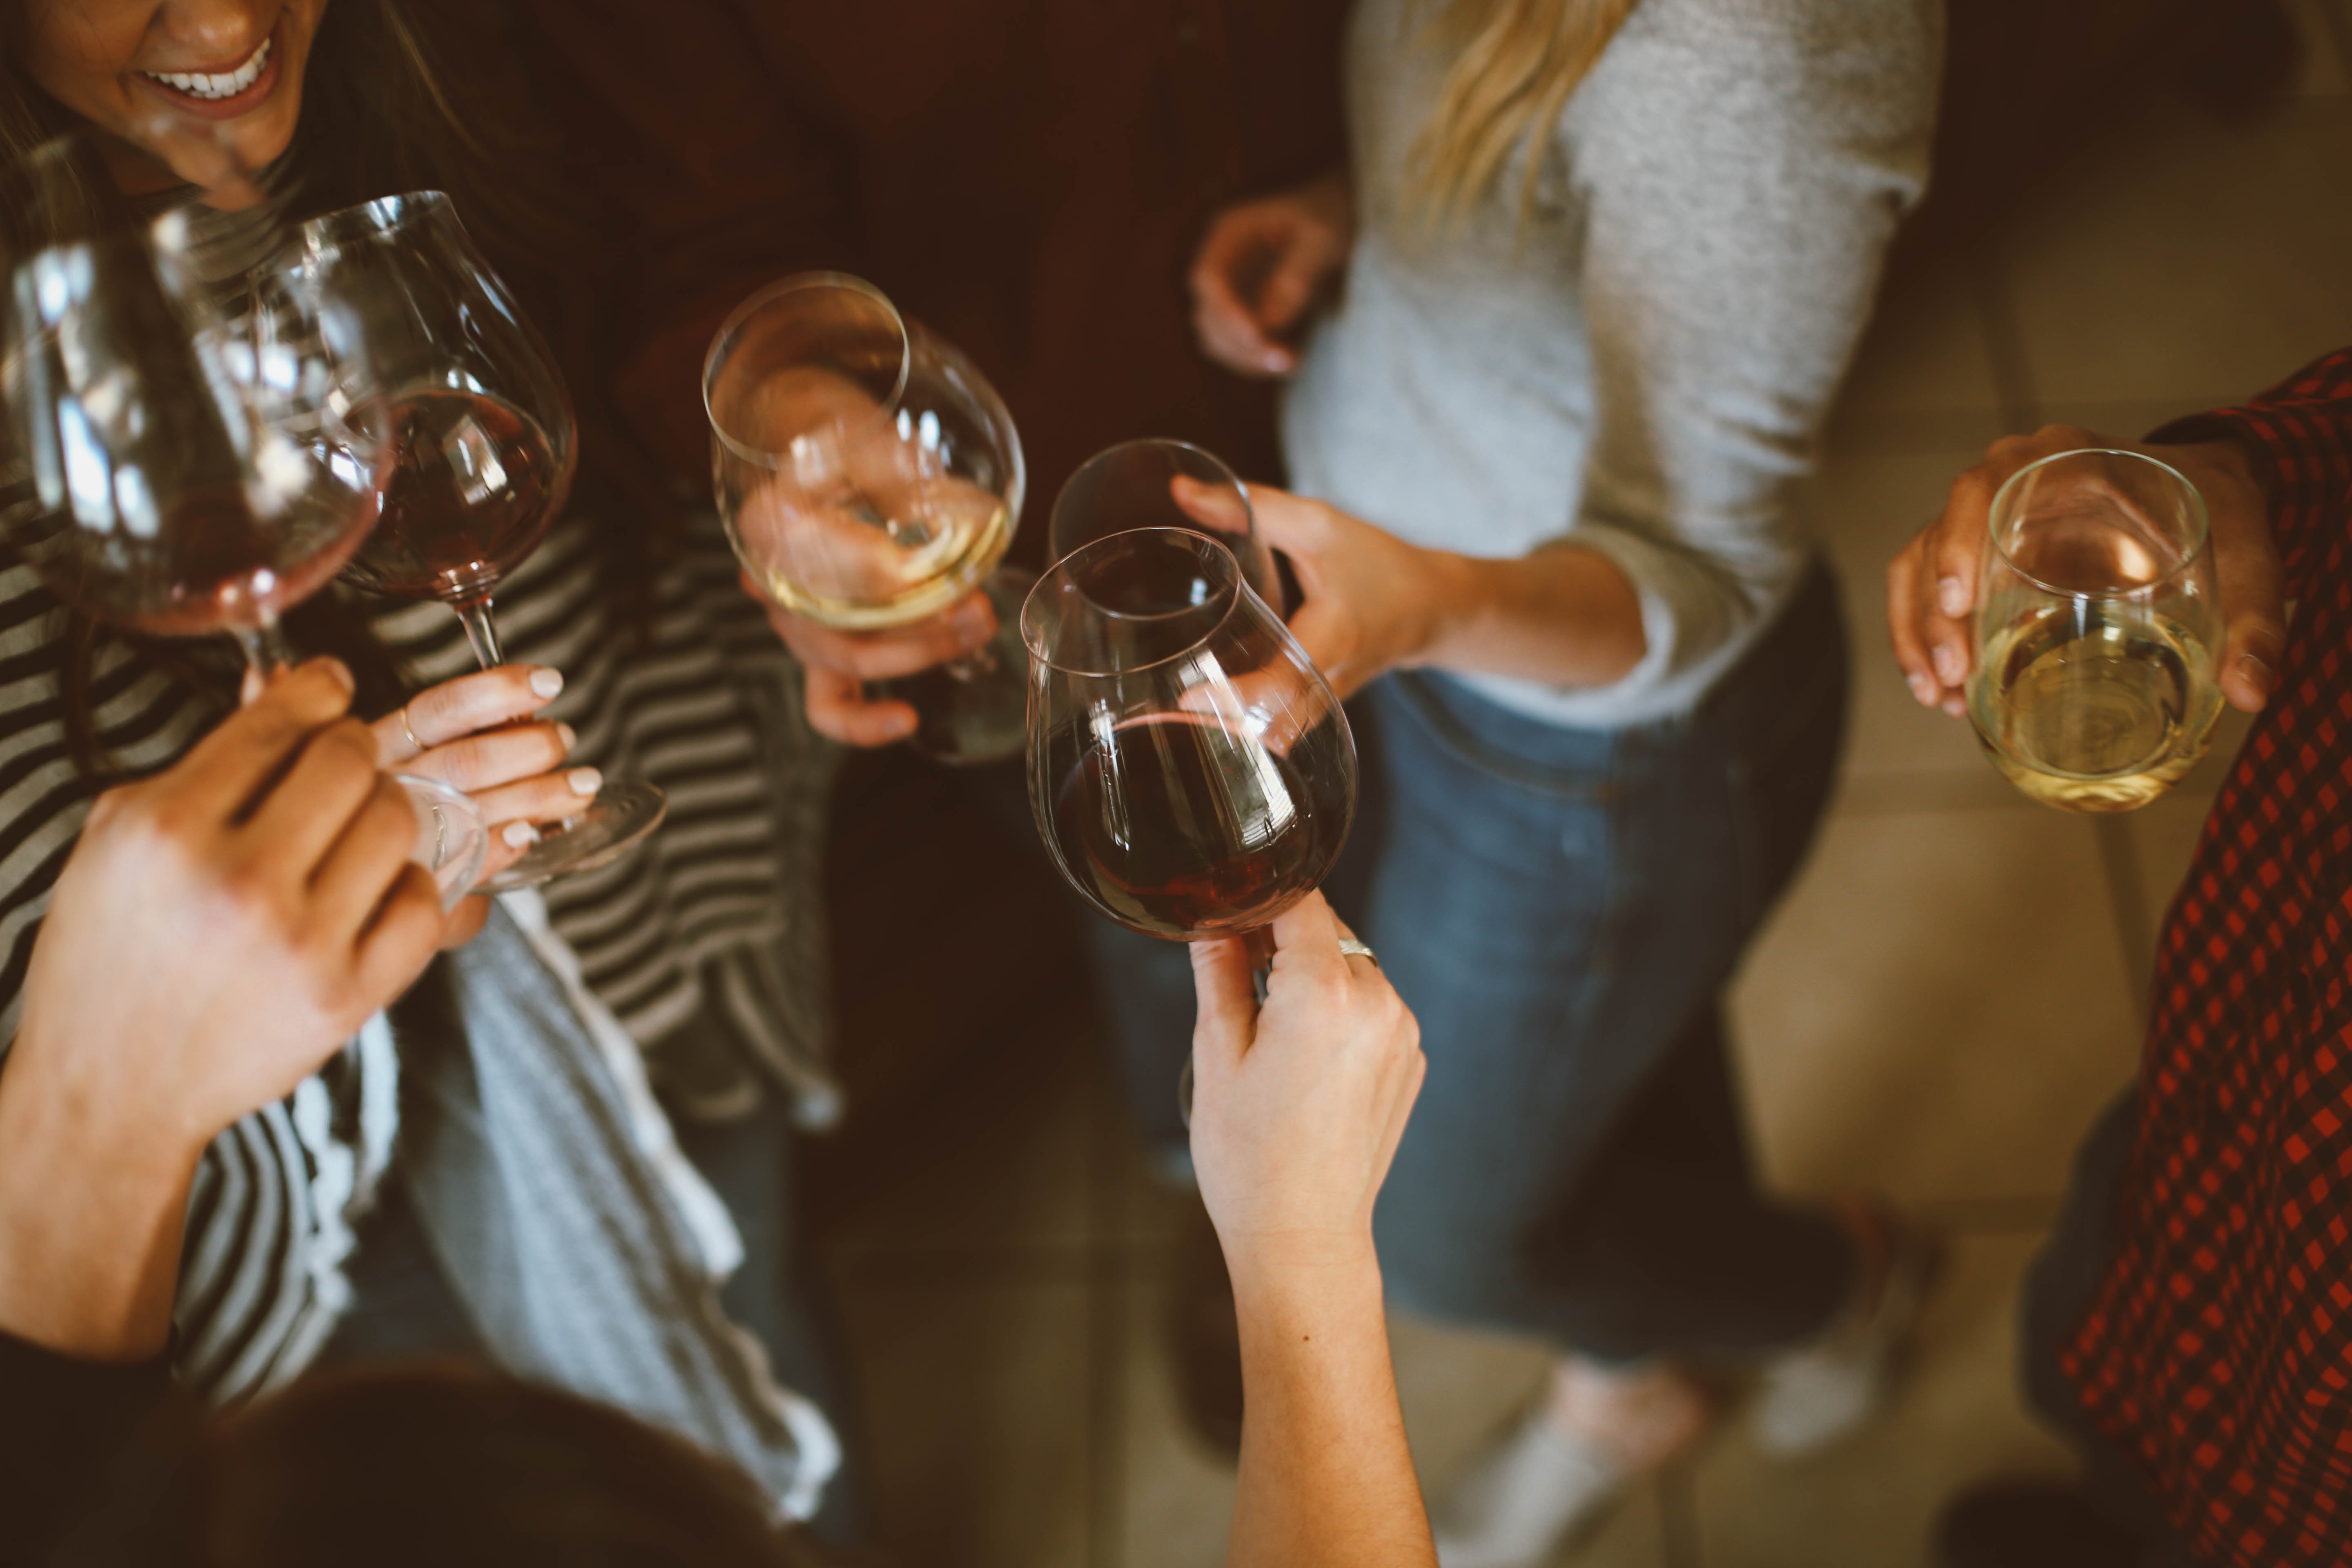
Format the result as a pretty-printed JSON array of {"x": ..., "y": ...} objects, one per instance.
[
  {"x": 2098, "y": 631},
  {"x": 870, "y": 477}
]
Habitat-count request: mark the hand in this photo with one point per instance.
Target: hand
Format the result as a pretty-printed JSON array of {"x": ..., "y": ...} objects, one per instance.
[
  {"x": 1297, "y": 1105},
  {"x": 218, "y": 931},
  {"x": 475, "y": 736},
  {"x": 1259, "y": 268},
  {"x": 1369, "y": 601},
  {"x": 837, "y": 664},
  {"x": 1931, "y": 587}
]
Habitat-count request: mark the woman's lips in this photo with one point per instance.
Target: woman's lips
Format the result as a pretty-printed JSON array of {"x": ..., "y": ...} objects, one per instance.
[{"x": 246, "y": 84}]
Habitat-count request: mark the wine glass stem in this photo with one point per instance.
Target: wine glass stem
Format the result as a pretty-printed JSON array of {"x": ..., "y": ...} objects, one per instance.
[
  {"x": 481, "y": 632},
  {"x": 266, "y": 648}
]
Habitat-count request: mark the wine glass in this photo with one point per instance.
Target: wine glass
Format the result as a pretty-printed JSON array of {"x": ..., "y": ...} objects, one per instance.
[
  {"x": 870, "y": 477},
  {"x": 2098, "y": 630},
  {"x": 170, "y": 469},
  {"x": 1160, "y": 483},
  {"x": 1191, "y": 772},
  {"x": 479, "y": 450}
]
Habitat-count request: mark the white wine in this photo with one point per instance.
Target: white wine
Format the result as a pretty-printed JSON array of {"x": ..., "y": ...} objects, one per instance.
[
  {"x": 2088, "y": 708},
  {"x": 895, "y": 572}
]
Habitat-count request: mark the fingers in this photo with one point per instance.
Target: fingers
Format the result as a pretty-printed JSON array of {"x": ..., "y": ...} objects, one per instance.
[
  {"x": 1230, "y": 331},
  {"x": 440, "y": 714},
  {"x": 222, "y": 772},
  {"x": 481, "y": 763},
  {"x": 1306, "y": 938},
  {"x": 548, "y": 797},
  {"x": 365, "y": 863},
  {"x": 464, "y": 922},
  {"x": 400, "y": 941},
  {"x": 839, "y": 709},
  {"x": 2247, "y": 573},
  {"x": 309, "y": 809},
  {"x": 1225, "y": 1021},
  {"x": 890, "y": 655}
]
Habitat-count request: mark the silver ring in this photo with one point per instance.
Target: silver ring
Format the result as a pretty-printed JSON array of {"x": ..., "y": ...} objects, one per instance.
[
  {"x": 1349, "y": 947},
  {"x": 409, "y": 731}
]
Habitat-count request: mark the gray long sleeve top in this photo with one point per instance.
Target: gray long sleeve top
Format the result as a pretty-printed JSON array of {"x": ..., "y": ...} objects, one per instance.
[{"x": 1644, "y": 369}]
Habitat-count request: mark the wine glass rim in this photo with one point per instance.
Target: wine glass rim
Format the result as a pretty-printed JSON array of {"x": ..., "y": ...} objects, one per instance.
[
  {"x": 1231, "y": 591},
  {"x": 378, "y": 216},
  {"x": 1158, "y": 444},
  {"x": 721, "y": 340},
  {"x": 2181, "y": 568}
]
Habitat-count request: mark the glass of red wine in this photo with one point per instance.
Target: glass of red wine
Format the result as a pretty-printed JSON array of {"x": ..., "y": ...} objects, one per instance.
[
  {"x": 172, "y": 469},
  {"x": 1191, "y": 771},
  {"x": 1159, "y": 483},
  {"x": 479, "y": 450}
]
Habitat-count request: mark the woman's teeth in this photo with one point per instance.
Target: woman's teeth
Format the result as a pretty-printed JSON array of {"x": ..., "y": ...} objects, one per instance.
[{"x": 215, "y": 86}]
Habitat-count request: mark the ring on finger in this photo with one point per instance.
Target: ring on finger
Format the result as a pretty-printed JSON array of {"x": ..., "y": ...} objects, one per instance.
[
  {"x": 409, "y": 730},
  {"x": 1350, "y": 948}
]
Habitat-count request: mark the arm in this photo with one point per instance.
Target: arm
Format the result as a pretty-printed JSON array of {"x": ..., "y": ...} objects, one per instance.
[
  {"x": 1735, "y": 208},
  {"x": 1298, "y": 1107},
  {"x": 218, "y": 931}
]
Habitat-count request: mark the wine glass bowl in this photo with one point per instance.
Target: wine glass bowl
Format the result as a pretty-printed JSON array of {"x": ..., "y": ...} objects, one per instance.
[
  {"x": 1161, "y": 483},
  {"x": 869, "y": 478},
  {"x": 2098, "y": 631},
  {"x": 1190, "y": 772},
  {"x": 174, "y": 470},
  {"x": 479, "y": 428}
]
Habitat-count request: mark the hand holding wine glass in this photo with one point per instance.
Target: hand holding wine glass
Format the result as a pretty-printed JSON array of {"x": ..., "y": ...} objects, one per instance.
[{"x": 1932, "y": 586}]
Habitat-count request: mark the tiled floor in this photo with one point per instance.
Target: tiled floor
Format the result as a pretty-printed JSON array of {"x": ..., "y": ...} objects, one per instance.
[{"x": 1004, "y": 1287}]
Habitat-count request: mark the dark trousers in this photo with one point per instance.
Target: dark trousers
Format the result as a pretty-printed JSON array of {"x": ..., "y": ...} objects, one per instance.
[{"x": 2059, "y": 1291}]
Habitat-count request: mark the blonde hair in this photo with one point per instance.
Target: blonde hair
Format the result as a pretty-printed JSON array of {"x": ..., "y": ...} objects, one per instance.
[{"x": 1515, "y": 63}]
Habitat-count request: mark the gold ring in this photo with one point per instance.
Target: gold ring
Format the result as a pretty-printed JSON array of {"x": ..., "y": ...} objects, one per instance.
[{"x": 409, "y": 731}]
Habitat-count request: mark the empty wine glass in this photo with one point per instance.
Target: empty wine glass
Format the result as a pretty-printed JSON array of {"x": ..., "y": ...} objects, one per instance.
[
  {"x": 1191, "y": 771},
  {"x": 1160, "y": 483},
  {"x": 870, "y": 477},
  {"x": 479, "y": 450},
  {"x": 171, "y": 470},
  {"x": 2098, "y": 631}
]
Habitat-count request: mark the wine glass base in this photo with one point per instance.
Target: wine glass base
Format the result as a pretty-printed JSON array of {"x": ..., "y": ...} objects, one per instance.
[{"x": 621, "y": 815}]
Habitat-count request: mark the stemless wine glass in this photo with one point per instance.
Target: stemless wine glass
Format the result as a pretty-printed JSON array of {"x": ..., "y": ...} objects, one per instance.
[
  {"x": 1160, "y": 483},
  {"x": 2098, "y": 631},
  {"x": 480, "y": 449},
  {"x": 869, "y": 476},
  {"x": 171, "y": 471}
]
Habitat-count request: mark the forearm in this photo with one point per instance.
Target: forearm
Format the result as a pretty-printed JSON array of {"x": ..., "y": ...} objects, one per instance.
[
  {"x": 91, "y": 1216},
  {"x": 1326, "y": 1477},
  {"x": 1565, "y": 615}
]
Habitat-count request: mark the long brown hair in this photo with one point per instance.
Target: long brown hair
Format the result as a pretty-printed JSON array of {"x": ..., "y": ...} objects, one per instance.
[
  {"x": 381, "y": 115},
  {"x": 1515, "y": 64}
]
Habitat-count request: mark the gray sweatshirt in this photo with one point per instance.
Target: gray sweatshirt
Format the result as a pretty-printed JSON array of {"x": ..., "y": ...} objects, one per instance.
[{"x": 1644, "y": 371}]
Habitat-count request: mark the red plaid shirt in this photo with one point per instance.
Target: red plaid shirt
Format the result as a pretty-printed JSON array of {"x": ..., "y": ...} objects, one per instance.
[{"x": 2219, "y": 1351}]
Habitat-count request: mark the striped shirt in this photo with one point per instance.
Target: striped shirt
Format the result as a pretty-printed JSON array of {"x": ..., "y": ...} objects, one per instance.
[{"x": 717, "y": 909}]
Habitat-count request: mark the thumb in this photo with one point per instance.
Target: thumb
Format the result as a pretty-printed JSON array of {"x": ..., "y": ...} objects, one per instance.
[
  {"x": 2246, "y": 571},
  {"x": 1226, "y": 1019}
]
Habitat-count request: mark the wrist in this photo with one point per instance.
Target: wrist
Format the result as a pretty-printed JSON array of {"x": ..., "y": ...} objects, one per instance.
[
  {"x": 1282, "y": 1273},
  {"x": 1448, "y": 598}
]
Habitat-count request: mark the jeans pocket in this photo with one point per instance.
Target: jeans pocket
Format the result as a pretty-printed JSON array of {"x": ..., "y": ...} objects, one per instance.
[{"x": 1505, "y": 747}]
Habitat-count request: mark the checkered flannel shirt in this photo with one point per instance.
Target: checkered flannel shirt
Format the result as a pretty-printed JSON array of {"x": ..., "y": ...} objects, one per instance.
[{"x": 2219, "y": 1351}]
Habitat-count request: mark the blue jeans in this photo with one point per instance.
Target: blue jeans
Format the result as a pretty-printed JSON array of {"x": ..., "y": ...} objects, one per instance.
[{"x": 1561, "y": 909}]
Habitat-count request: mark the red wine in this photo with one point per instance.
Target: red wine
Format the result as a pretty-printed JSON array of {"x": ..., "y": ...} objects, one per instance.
[
  {"x": 472, "y": 484},
  {"x": 211, "y": 567},
  {"x": 1183, "y": 827}
]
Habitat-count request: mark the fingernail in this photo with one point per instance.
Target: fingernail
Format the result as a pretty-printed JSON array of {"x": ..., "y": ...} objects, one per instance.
[
  {"x": 2257, "y": 671},
  {"x": 546, "y": 682},
  {"x": 1950, "y": 664},
  {"x": 570, "y": 737},
  {"x": 1951, "y": 597},
  {"x": 1924, "y": 688},
  {"x": 1957, "y": 707},
  {"x": 518, "y": 835},
  {"x": 583, "y": 782},
  {"x": 342, "y": 674}
]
